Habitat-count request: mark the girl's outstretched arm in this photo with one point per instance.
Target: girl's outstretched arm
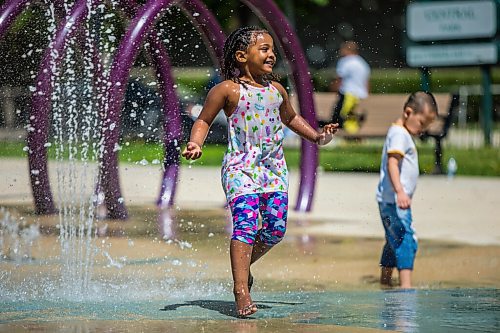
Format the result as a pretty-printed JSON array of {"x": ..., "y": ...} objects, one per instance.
[
  {"x": 299, "y": 125},
  {"x": 215, "y": 101}
]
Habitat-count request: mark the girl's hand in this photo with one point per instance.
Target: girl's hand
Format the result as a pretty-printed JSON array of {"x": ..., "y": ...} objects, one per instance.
[
  {"x": 327, "y": 134},
  {"x": 192, "y": 151}
]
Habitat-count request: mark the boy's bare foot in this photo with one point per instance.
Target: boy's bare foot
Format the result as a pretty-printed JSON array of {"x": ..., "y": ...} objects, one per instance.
[
  {"x": 244, "y": 305},
  {"x": 405, "y": 279},
  {"x": 386, "y": 277},
  {"x": 385, "y": 286}
]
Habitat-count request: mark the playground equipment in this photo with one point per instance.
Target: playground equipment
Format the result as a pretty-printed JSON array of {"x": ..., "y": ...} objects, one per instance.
[{"x": 140, "y": 29}]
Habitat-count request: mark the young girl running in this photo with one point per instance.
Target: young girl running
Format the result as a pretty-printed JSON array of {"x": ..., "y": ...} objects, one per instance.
[{"x": 254, "y": 171}]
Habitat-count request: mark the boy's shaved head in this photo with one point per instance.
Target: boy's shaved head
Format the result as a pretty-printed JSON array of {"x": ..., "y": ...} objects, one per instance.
[
  {"x": 350, "y": 45},
  {"x": 419, "y": 99}
]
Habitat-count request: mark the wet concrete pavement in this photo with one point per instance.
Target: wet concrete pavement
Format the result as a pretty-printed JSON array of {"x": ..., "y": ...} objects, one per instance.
[{"x": 464, "y": 209}]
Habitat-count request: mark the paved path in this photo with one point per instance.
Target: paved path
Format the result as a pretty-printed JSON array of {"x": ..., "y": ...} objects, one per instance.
[{"x": 465, "y": 209}]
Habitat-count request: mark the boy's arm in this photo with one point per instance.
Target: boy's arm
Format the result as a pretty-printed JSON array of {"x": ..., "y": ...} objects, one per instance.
[
  {"x": 215, "y": 101},
  {"x": 403, "y": 200},
  {"x": 299, "y": 125}
]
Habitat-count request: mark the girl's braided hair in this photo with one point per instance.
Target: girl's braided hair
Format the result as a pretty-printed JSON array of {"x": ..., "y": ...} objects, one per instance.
[{"x": 240, "y": 40}]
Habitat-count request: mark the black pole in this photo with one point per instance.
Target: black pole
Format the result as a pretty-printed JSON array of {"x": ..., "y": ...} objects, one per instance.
[
  {"x": 487, "y": 104},
  {"x": 425, "y": 79}
]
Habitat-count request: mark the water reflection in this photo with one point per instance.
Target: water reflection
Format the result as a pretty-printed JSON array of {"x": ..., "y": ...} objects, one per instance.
[
  {"x": 176, "y": 326},
  {"x": 167, "y": 226},
  {"x": 399, "y": 310},
  {"x": 305, "y": 242},
  {"x": 16, "y": 237}
]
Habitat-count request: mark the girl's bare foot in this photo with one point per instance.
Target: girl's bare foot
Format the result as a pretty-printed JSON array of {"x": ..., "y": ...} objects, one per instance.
[{"x": 244, "y": 305}]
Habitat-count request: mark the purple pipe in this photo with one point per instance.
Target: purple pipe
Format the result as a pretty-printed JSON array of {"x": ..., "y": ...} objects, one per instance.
[
  {"x": 172, "y": 125},
  {"x": 212, "y": 34},
  {"x": 127, "y": 52},
  {"x": 213, "y": 37},
  {"x": 270, "y": 14},
  {"x": 125, "y": 57},
  {"x": 40, "y": 109},
  {"x": 172, "y": 120},
  {"x": 37, "y": 161},
  {"x": 41, "y": 105},
  {"x": 8, "y": 12}
]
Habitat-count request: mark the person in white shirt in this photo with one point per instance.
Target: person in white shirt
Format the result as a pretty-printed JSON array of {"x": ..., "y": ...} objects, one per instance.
[
  {"x": 398, "y": 179},
  {"x": 352, "y": 84}
]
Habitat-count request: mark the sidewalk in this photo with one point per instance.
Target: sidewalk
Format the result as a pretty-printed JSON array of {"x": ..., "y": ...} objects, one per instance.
[{"x": 465, "y": 209}]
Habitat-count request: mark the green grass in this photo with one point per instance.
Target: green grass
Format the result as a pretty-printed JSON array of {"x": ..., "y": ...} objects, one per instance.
[
  {"x": 346, "y": 157},
  {"x": 405, "y": 80}
]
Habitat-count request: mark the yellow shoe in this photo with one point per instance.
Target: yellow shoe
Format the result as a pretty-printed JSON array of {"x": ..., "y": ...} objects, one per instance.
[{"x": 351, "y": 126}]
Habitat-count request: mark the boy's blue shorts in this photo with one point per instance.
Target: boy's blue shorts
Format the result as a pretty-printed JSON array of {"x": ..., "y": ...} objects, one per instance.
[{"x": 401, "y": 243}]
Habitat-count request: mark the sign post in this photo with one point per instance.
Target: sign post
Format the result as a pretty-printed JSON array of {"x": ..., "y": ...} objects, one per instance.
[
  {"x": 487, "y": 104},
  {"x": 456, "y": 33}
]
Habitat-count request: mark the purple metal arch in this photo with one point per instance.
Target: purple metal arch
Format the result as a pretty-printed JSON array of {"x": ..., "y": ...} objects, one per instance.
[
  {"x": 40, "y": 110},
  {"x": 212, "y": 32},
  {"x": 172, "y": 126},
  {"x": 36, "y": 155},
  {"x": 127, "y": 52},
  {"x": 171, "y": 118},
  {"x": 212, "y": 35},
  {"x": 41, "y": 106},
  {"x": 43, "y": 198},
  {"x": 272, "y": 17},
  {"x": 171, "y": 111}
]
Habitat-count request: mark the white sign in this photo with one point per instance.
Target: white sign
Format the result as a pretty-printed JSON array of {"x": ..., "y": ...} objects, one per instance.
[
  {"x": 451, "y": 20},
  {"x": 452, "y": 55}
]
